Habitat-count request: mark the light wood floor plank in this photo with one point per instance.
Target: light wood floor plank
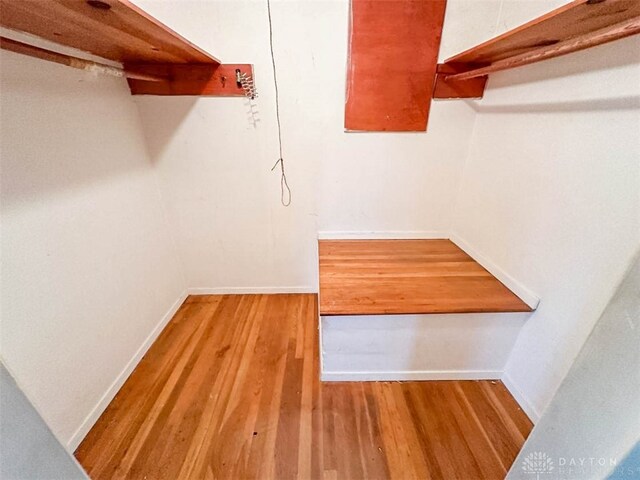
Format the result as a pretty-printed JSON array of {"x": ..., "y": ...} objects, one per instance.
[{"x": 231, "y": 390}]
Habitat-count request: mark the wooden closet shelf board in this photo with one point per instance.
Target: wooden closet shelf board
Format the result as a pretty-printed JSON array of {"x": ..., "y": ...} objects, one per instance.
[
  {"x": 444, "y": 89},
  {"x": 393, "y": 52},
  {"x": 114, "y": 29},
  {"x": 577, "y": 18},
  {"x": 202, "y": 79}
]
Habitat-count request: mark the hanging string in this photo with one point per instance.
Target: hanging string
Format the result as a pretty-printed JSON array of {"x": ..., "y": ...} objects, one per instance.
[{"x": 285, "y": 191}]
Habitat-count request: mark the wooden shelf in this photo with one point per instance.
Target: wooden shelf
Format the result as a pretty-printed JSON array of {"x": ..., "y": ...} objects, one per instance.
[
  {"x": 118, "y": 31},
  {"x": 378, "y": 277},
  {"x": 578, "y": 25},
  {"x": 193, "y": 79},
  {"x": 393, "y": 53},
  {"x": 473, "y": 88},
  {"x": 156, "y": 60}
]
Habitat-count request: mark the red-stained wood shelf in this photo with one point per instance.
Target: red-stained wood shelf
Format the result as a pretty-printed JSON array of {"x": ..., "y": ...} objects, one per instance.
[
  {"x": 117, "y": 30},
  {"x": 451, "y": 88},
  {"x": 576, "y": 26},
  {"x": 393, "y": 52},
  {"x": 156, "y": 60},
  {"x": 190, "y": 79}
]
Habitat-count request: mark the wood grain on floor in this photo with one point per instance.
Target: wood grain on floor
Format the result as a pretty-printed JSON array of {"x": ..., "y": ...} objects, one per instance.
[{"x": 231, "y": 390}]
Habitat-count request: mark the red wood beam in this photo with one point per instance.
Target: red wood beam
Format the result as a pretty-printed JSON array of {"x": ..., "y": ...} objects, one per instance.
[
  {"x": 189, "y": 79},
  {"x": 393, "y": 52},
  {"x": 446, "y": 87}
]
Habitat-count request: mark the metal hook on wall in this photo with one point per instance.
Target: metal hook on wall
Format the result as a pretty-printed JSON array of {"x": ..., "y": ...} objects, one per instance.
[{"x": 245, "y": 82}]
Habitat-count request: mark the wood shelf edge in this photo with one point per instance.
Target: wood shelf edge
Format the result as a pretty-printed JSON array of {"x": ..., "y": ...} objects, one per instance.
[
  {"x": 444, "y": 88},
  {"x": 159, "y": 24},
  {"x": 189, "y": 79},
  {"x": 579, "y": 25},
  {"x": 115, "y": 30}
]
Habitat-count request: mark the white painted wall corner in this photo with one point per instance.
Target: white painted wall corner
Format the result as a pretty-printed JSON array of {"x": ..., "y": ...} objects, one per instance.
[
  {"x": 113, "y": 389},
  {"x": 523, "y": 401},
  {"x": 511, "y": 283}
]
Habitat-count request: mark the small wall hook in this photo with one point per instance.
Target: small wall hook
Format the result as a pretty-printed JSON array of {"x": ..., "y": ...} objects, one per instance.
[{"x": 245, "y": 82}]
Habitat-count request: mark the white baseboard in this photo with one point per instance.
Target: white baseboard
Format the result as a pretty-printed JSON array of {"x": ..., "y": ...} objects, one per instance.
[
  {"x": 511, "y": 283},
  {"x": 523, "y": 401},
  {"x": 390, "y": 235},
  {"x": 249, "y": 290},
  {"x": 102, "y": 404},
  {"x": 416, "y": 375}
]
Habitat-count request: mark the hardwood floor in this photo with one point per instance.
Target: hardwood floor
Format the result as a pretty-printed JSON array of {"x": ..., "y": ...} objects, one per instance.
[
  {"x": 370, "y": 277},
  {"x": 231, "y": 390}
]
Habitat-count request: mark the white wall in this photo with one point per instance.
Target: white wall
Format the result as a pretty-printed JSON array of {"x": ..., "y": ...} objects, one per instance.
[
  {"x": 551, "y": 194},
  {"x": 215, "y": 165},
  {"x": 597, "y": 402},
  {"x": 418, "y": 347},
  {"x": 28, "y": 449},
  {"x": 88, "y": 267}
]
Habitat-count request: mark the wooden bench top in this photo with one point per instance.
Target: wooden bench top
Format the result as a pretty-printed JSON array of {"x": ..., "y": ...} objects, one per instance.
[{"x": 369, "y": 277}]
